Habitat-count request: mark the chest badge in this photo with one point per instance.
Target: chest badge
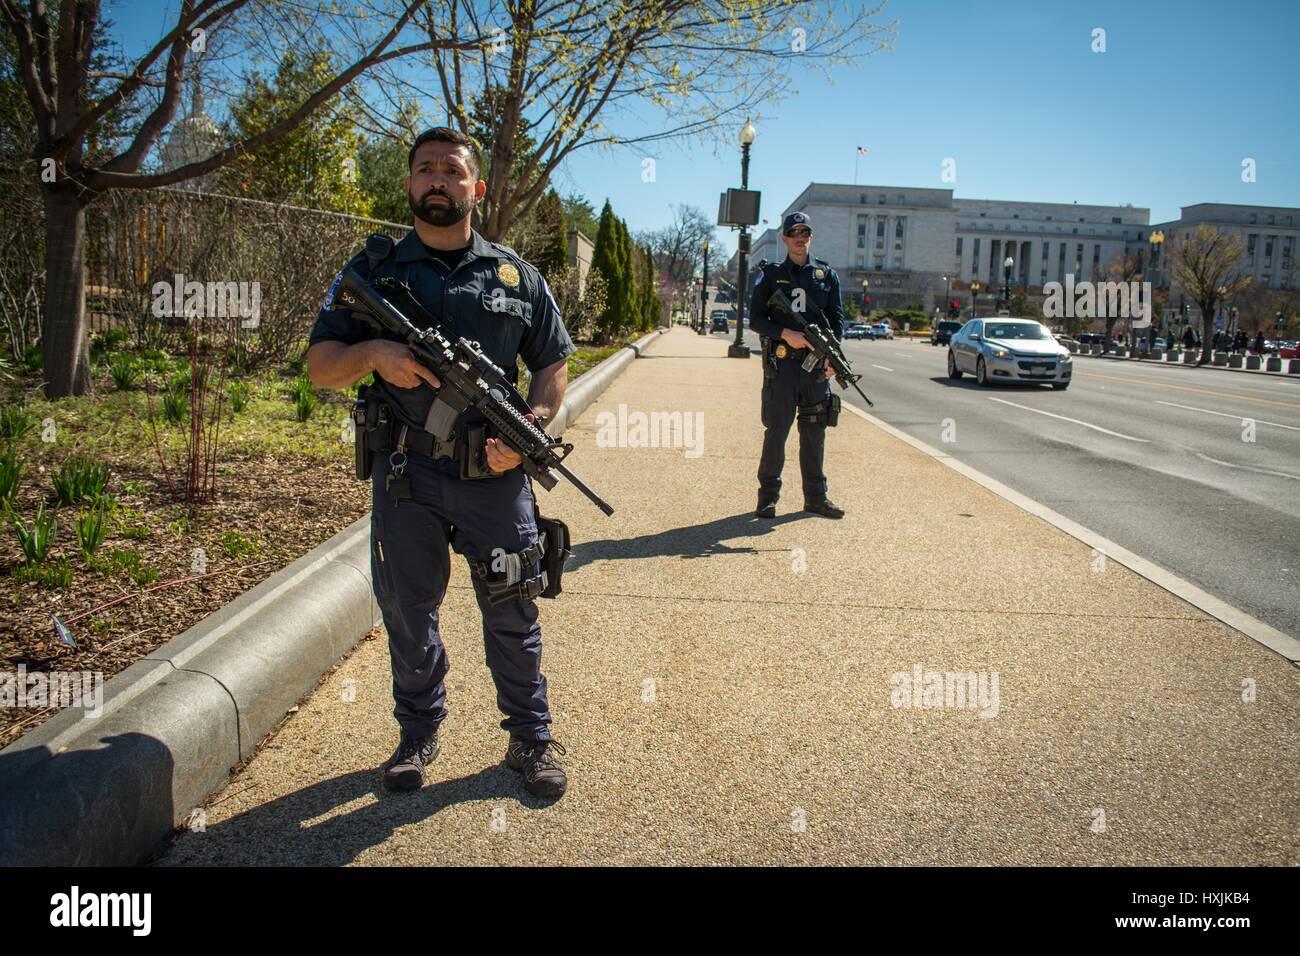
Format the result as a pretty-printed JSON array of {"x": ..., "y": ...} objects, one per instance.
[
  {"x": 820, "y": 273},
  {"x": 508, "y": 274},
  {"x": 781, "y": 350}
]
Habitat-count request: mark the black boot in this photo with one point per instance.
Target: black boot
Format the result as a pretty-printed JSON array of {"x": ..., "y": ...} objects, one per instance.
[
  {"x": 766, "y": 509},
  {"x": 543, "y": 777},
  {"x": 405, "y": 768},
  {"x": 826, "y": 508}
]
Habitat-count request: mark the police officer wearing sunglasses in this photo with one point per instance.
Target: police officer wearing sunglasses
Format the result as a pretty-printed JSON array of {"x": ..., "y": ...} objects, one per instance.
[{"x": 789, "y": 392}]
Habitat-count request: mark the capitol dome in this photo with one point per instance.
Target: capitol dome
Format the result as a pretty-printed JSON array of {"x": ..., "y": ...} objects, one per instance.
[{"x": 192, "y": 138}]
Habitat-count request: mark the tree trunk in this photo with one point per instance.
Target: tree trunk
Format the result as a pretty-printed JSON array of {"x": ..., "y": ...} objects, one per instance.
[
  {"x": 1207, "y": 333},
  {"x": 63, "y": 335}
]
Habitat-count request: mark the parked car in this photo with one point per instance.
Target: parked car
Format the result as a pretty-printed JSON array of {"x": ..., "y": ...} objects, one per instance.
[
  {"x": 855, "y": 330},
  {"x": 882, "y": 330},
  {"x": 943, "y": 330},
  {"x": 1009, "y": 350},
  {"x": 720, "y": 321}
]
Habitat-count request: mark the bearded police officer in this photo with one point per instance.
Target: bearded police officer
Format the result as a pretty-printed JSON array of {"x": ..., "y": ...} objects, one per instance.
[
  {"x": 788, "y": 390},
  {"x": 469, "y": 492}
]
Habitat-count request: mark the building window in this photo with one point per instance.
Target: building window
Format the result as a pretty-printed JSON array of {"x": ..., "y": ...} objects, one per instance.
[
  {"x": 976, "y": 257},
  {"x": 898, "y": 228},
  {"x": 981, "y": 215},
  {"x": 1250, "y": 244},
  {"x": 1015, "y": 215},
  {"x": 1116, "y": 219},
  {"x": 1253, "y": 218},
  {"x": 1075, "y": 230},
  {"x": 1049, "y": 218},
  {"x": 959, "y": 247},
  {"x": 880, "y": 229},
  {"x": 1270, "y": 219},
  {"x": 1047, "y": 251}
]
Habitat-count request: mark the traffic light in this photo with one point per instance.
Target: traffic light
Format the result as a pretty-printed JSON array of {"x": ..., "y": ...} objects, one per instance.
[{"x": 954, "y": 309}]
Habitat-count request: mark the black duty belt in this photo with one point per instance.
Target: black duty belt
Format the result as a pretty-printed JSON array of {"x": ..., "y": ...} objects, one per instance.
[{"x": 421, "y": 442}]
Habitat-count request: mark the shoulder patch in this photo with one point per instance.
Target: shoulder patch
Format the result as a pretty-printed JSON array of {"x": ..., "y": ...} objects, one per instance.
[{"x": 329, "y": 296}]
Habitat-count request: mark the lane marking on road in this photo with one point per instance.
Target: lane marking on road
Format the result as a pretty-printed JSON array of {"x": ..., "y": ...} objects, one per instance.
[
  {"x": 886, "y": 368},
  {"x": 1259, "y": 421},
  {"x": 1255, "y": 629},
  {"x": 1187, "y": 388},
  {"x": 1260, "y": 471},
  {"x": 902, "y": 355},
  {"x": 1097, "y": 428}
]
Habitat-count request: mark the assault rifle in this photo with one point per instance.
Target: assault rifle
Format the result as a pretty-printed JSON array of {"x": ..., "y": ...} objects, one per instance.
[
  {"x": 822, "y": 345},
  {"x": 469, "y": 378}
]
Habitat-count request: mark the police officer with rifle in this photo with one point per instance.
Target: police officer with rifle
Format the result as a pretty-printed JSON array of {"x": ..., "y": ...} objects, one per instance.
[
  {"x": 793, "y": 386},
  {"x": 452, "y": 458}
]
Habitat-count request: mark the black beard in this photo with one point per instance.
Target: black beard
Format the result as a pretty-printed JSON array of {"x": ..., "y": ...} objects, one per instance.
[{"x": 447, "y": 215}]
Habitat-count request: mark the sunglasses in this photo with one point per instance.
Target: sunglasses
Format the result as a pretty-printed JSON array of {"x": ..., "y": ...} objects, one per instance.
[{"x": 800, "y": 234}]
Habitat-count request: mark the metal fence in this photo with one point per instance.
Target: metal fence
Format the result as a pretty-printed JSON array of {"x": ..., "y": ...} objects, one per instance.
[{"x": 143, "y": 246}]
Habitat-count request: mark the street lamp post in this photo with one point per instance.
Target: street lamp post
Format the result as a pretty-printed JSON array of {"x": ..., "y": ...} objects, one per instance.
[
  {"x": 866, "y": 283},
  {"x": 1006, "y": 282},
  {"x": 704, "y": 286},
  {"x": 974, "y": 291},
  {"x": 738, "y": 348}
]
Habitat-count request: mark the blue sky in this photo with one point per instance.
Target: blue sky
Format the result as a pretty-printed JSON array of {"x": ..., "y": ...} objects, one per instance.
[{"x": 1012, "y": 91}]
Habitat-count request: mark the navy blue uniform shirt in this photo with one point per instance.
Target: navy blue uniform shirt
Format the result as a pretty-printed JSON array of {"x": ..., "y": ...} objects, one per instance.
[
  {"x": 815, "y": 277},
  {"x": 491, "y": 297}
]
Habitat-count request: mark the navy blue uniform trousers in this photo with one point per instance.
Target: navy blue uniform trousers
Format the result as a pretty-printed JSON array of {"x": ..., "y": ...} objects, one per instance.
[
  {"x": 410, "y": 565},
  {"x": 790, "y": 387}
]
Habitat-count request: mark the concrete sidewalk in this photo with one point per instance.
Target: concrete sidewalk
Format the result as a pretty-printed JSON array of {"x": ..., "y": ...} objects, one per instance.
[{"x": 724, "y": 684}]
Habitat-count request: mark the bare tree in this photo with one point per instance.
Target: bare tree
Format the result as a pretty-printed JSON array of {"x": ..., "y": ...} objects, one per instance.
[
  {"x": 1207, "y": 267},
  {"x": 571, "y": 68},
  {"x": 56, "y": 64},
  {"x": 678, "y": 248}
]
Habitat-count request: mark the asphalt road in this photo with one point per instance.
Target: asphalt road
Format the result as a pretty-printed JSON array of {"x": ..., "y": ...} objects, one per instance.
[{"x": 1160, "y": 460}]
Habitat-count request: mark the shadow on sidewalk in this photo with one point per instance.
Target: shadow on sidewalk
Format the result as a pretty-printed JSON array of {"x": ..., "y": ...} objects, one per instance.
[
  {"x": 281, "y": 832},
  {"x": 694, "y": 541}
]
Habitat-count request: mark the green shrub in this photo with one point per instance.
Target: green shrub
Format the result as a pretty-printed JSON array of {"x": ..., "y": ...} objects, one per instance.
[
  {"x": 122, "y": 366},
  {"x": 176, "y": 404},
  {"x": 15, "y": 422},
  {"x": 34, "y": 541},
  {"x": 33, "y": 359},
  {"x": 56, "y": 574},
  {"x": 10, "y": 471},
  {"x": 238, "y": 546},
  {"x": 79, "y": 479},
  {"x": 90, "y": 529},
  {"x": 304, "y": 397},
  {"x": 238, "y": 397}
]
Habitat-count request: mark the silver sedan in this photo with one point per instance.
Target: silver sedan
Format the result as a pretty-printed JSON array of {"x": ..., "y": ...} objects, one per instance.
[{"x": 1009, "y": 350}]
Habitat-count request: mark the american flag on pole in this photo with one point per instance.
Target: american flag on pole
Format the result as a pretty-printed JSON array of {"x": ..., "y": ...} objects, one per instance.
[{"x": 862, "y": 150}]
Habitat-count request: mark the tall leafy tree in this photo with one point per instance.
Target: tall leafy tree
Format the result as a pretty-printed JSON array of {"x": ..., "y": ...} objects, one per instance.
[
  {"x": 381, "y": 166},
  {"x": 316, "y": 163},
  {"x": 580, "y": 215}
]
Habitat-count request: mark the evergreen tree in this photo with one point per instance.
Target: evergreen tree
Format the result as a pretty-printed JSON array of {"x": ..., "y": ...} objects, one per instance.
[
  {"x": 650, "y": 306},
  {"x": 605, "y": 260},
  {"x": 555, "y": 249}
]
